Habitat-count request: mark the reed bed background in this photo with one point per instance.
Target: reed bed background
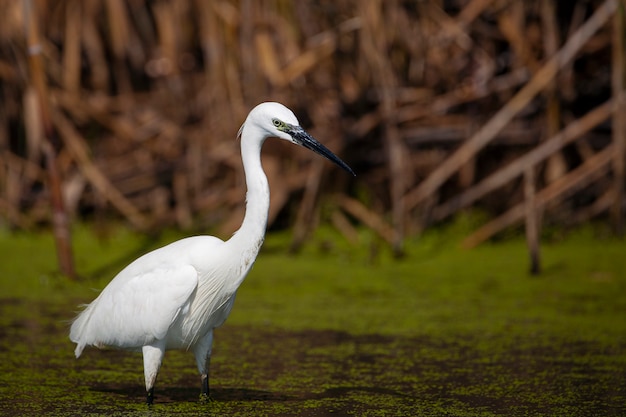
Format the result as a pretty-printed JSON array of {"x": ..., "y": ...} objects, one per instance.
[{"x": 130, "y": 109}]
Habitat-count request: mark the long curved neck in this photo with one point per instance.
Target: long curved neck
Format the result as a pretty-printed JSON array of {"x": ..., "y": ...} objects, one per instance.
[{"x": 252, "y": 231}]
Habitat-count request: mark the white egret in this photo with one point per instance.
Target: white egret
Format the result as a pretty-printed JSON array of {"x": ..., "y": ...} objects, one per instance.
[{"x": 174, "y": 296}]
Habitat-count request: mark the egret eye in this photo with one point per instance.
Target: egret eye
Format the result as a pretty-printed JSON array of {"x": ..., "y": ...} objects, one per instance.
[{"x": 277, "y": 123}]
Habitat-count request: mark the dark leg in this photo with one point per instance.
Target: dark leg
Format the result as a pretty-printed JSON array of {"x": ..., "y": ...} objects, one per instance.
[
  {"x": 204, "y": 395},
  {"x": 150, "y": 397},
  {"x": 202, "y": 352}
]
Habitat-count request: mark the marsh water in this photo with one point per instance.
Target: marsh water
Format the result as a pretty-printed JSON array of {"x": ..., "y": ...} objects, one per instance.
[
  {"x": 268, "y": 371},
  {"x": 438, "y": 335}
]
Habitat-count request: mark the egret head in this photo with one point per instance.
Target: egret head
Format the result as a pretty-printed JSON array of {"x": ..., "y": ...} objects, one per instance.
[{"x": 276, "y": 120}]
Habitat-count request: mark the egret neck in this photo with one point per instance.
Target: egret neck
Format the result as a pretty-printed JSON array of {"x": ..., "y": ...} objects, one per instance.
[{"x": 249, "y": 237}]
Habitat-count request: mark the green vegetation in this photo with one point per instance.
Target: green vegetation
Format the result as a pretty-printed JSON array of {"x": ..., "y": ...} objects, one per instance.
[{"x": 340, "y": 329}]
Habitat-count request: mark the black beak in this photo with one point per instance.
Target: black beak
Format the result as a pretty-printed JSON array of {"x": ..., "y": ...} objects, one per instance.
[{"x": 301, "y": 137}]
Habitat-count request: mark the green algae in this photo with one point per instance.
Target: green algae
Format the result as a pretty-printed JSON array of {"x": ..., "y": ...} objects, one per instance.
[{"x": 335, "y": 330}]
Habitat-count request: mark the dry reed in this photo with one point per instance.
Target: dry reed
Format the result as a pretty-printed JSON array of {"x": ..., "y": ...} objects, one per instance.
[{"x": 437, "y": 105}]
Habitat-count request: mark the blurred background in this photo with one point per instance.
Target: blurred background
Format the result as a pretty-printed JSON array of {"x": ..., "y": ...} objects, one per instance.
[{"x": 128, "y": 110}]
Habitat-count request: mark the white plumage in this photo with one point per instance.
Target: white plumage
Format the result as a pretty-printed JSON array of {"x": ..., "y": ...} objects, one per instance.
[{"x": 174, "y": 296}]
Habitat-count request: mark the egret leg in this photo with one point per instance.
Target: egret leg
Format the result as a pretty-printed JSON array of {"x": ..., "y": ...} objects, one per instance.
[
  {"x": 202, "y": 351},
  {"x": 150, "y": 396},
  {"x": 204, "y": 394},
  {"x": 152, "y": 358}
]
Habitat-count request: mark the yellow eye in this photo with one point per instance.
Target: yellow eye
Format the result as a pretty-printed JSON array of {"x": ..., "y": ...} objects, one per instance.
[{"x": 277, "y": 123}]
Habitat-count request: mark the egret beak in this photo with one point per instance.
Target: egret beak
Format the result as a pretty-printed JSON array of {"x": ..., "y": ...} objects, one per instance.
[{"x": 301, "y": 137}]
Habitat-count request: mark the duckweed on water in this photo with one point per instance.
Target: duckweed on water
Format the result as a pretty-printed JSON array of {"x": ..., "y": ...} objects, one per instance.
[{"x": 335, "y": 331}]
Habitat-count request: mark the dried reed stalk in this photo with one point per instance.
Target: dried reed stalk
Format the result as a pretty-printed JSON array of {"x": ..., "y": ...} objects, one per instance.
[
  {"x": 618, "y": 71},
  {"x": 60, "y": 219},
  {"x": 489, "y": 130},
  {"x": 590, "y": 171},
  {"x": 538, "y": 154}
]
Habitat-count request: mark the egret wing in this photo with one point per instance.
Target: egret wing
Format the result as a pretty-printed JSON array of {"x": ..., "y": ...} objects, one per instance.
[{"x": 136, "y": 309}]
